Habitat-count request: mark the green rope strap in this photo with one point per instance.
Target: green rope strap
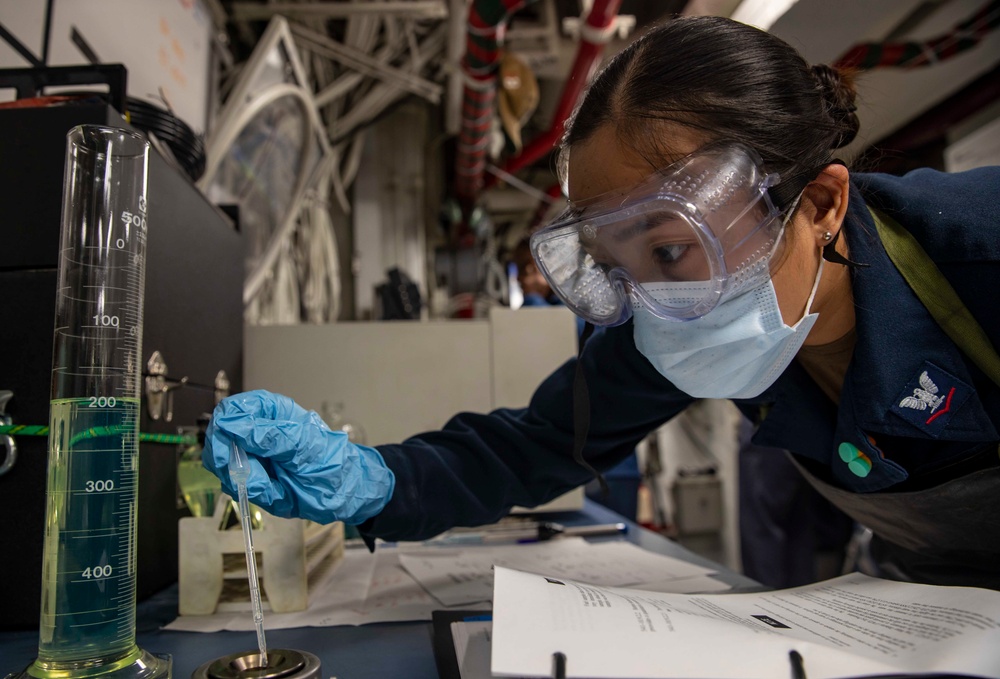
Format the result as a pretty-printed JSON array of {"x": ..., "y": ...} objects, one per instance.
[
  {"x": 934, "y": 291},
  {"x": 144, "y": 437}
]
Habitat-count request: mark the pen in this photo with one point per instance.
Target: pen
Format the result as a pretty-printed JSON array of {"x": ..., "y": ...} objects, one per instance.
[
  {"x": 458, "y": 539},
  {"x": 798, "y": 666},
  {"x": 551, "y": 530},
  {"x": 540, "y": 533}
]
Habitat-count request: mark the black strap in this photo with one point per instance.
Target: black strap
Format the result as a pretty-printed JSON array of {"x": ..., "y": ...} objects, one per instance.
[
  {"x": 784, "y": 193},
  {"x": 830, "y": 254},
  {"x": 581, "y": 412}
]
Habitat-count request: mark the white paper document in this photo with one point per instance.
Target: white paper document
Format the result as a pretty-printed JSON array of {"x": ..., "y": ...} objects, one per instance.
[
  {"x": 850, "y": 626},
  {"x": 460, "y": 576},
  {"x": 410, "y": 581},
  {"x": 473, "y": 640},
  {"x": 363, "y": 588}
]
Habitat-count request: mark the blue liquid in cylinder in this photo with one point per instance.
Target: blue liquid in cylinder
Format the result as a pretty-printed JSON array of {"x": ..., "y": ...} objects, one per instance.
[{"x": 88, "y": 577}]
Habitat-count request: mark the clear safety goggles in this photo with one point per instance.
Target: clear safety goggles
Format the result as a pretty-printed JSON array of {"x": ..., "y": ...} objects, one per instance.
[{"x": 691, "y": 235}]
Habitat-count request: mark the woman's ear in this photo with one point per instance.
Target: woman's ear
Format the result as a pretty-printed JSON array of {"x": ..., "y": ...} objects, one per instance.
[{"x": 825, "y": 200}]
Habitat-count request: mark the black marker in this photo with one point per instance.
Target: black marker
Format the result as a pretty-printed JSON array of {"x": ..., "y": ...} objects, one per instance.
[
  {"x": 558, "y": 665},
  {"x": 798, "y": 667}
]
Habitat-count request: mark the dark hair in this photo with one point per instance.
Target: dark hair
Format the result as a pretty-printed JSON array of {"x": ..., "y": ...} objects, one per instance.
[{"x": 728, "y": 79}]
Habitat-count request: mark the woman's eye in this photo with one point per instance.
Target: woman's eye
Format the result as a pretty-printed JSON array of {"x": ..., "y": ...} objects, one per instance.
[{"x": 668, "y": 254}]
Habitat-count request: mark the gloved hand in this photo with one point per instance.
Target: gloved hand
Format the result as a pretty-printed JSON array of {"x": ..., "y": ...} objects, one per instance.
[{"x": 299, "y": 466}]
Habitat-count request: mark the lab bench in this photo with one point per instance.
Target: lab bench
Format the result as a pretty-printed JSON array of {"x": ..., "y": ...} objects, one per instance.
[{"x": 371, "y": 651}]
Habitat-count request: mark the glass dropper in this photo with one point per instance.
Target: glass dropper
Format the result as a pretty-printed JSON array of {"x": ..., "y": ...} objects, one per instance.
[{"x": 239, "y": 473}]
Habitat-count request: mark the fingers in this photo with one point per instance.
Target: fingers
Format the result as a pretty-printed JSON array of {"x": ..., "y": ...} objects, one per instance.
[
  {"x": 273, "y": 430},
  {"x": 215, "y": 455},
  {"x": 263, "y": 489},
  {"x": 265, "y": 423},
  {"x": 263, "y": 404},
  {"x": 298, "y": 465}
]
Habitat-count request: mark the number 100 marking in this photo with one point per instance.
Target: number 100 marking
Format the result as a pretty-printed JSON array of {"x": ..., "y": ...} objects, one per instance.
[{"x": 106, "y": 320}]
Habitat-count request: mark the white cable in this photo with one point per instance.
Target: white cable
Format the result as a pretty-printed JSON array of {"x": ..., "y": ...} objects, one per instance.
[
  {"x": 336, "y": 179},
  {"x": 411, "y": 42},
  {"x": 285, "y": 302},
  {"x": 348, "y": 82},
  {"x": 494, "y": 273},
  {"x": 383, "y": 95},
  {"x": 304, "y": 280},
  {"x": 353, "y": 161},
  {"x": 319, "y": 264},
  {"x": 332, "y": 261}
]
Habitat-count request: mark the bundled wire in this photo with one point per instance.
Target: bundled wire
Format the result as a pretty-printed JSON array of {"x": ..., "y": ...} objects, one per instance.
[
  {"x": 317, "y": 260},
  {"x": 188, "y": 148}
]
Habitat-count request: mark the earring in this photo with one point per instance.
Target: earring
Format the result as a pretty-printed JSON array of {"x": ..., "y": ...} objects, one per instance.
[{"x": 827, "y": 236}]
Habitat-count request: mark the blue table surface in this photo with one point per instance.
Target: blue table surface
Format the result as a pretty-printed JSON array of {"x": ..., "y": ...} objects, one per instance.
[{"x": 372, "y": 651}]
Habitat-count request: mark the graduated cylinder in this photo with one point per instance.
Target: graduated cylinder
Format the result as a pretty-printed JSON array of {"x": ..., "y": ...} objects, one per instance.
[{"x": 89, "y": 560}]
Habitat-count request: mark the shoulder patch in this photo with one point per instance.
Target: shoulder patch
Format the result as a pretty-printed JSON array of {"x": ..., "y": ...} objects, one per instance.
[{"x": 930, "y": 399}]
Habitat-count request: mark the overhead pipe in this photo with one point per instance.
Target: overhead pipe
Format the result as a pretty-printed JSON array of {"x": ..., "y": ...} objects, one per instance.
[
  {"x": 913, "y": 54},
  {"x": 486, "y": 25},
  {"x": 595, "y": 32}
]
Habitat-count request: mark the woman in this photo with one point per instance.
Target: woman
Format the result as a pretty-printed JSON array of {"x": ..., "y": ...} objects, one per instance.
[{"x": 731, "y": 257}]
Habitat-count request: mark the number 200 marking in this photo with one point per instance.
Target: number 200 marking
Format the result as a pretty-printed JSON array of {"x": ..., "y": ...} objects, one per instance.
[{"x": 102, "y": 402}]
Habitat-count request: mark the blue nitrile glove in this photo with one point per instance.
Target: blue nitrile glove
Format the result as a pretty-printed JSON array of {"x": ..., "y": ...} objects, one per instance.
[{"x": 299, "y": 466}]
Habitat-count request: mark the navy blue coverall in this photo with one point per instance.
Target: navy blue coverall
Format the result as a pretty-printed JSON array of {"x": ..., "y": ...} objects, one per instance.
[{"x": 479, "y": 465}]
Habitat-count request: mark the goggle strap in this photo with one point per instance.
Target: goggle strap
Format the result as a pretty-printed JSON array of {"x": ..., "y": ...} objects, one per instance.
[
  {"x": 581, "y": 412},
  {"x": 785, "y": 192}
]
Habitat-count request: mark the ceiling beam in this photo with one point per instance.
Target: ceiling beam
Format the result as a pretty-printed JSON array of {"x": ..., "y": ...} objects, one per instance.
[
  {"x": 365, "y": 64},
  {"x": 337, "y": 9}
]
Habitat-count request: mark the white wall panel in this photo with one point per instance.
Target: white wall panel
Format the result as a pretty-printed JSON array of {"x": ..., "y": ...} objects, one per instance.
[{"x": 163, "y": 44}]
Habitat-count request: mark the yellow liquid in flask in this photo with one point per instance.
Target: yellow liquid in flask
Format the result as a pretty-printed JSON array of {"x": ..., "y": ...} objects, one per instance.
[{"x": 88, "y": 573}]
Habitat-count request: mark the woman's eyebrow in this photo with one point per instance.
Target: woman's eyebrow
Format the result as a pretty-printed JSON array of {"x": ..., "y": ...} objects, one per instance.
[
  {"x": 635, "y": 228},
  {"x": 640, "y": 225}
]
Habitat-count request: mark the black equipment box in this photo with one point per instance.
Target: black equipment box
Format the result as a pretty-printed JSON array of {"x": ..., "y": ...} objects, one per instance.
[{"x": 193, "y": 317}]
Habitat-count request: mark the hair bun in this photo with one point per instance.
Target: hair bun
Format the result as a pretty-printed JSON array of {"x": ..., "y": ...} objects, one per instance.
[{"x": 839, "y": 95}]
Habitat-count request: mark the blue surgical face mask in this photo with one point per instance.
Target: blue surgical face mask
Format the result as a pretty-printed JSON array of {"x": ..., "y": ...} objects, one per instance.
[{"x": 737, "y": 350}]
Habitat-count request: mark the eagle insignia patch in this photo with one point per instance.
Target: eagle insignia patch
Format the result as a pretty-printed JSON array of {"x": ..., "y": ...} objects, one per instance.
[{"x": 929, "y": 400}]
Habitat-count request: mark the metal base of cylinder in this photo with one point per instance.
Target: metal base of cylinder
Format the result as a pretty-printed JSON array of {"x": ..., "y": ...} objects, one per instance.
[{"x": 282, "y": 663}]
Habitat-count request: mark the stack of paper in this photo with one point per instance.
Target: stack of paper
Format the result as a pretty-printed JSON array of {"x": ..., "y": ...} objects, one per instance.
[
  {"x": 410, "y": 581},
  {"x": 847, "y": 627},
  {"x": 465, "y": 576}
]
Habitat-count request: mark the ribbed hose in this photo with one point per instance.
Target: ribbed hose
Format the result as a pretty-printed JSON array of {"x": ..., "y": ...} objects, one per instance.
[
  {"x": 487, "y": 21},
  {"x": 595, "y": 31}
]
